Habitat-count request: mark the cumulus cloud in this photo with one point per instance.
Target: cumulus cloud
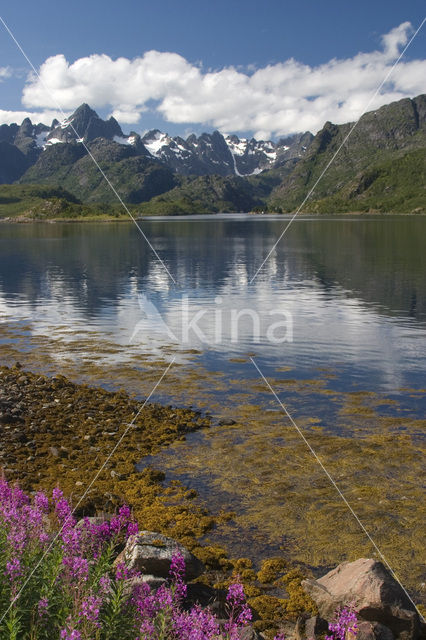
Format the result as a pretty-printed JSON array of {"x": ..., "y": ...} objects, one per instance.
[
  {"x": 45, "y": 117},
  {"x": 271, "y": 101}
]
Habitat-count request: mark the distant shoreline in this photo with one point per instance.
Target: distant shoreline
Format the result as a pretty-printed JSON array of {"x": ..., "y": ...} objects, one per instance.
[{"x": 204, "y": 216}]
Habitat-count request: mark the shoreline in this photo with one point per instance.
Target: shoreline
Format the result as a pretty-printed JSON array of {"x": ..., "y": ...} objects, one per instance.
[
  {"x": 249, "y": 215},
  {"x": 63, "y": 427},
  {"x": 59, "y": 432}
]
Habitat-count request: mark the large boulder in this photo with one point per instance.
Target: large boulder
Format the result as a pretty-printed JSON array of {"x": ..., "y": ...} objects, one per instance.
[
  {"x": 151, "y": 553},
  {"x": 376, "y": 595}
]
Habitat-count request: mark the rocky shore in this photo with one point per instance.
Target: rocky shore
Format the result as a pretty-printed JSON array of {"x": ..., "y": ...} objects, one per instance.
[
  {"x": 55, "y": 432},
  {"x": 58, "y": 433},
  {"x": 383, "y": 609}
]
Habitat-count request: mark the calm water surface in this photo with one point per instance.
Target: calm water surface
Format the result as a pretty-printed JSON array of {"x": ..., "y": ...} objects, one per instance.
[{"x": 354, "y": 290}]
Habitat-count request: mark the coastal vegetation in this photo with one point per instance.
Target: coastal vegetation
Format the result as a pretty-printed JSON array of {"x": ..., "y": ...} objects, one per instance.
[
  {"x": 59, "y": 579},
  {"x": 64, "y": 578},
  {"x": 25, "y": 203}
]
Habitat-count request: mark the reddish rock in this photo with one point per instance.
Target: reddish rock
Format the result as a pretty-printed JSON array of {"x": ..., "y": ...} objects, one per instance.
[{"x": 376, "y": 595}]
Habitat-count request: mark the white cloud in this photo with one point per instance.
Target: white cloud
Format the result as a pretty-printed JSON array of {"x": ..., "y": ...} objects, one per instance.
[
  {"x": 5, "y": 72},
  {"x": 127, "y": 114},
  {"x": 274, "y": 100},
  {"x": 45, "y": 117}
]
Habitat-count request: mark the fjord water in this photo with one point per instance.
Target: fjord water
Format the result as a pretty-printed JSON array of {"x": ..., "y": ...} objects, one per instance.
[
  {"x": 353, "y": 289},
  {"x": 92, "y": 301}
]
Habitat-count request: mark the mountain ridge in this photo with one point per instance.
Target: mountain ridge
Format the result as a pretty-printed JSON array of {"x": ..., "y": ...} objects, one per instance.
[
  {"x": 222, "y": 172},
  {"x": 207, "y": 154},
  {"x": 379, "y": 136}
]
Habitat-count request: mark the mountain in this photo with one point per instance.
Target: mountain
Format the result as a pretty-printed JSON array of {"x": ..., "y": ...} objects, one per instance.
[
  {"x": 141, "y": 168},
  {"x": 84, "y": 124},
  {"x": 13, "y": 162},
  {"x": 398, "y": 184},
  {"x": 224, "y": 155},
  {"x": 216, "y": 194},
  {"x": 208, "y": 154},
  {"x": 135, "y": 177},
  {"x": 380, "y": 138},
  {"x": 19, "y": 148},
  {"x": 380, "y": 167},
  {"x": 205, "y": 194}
]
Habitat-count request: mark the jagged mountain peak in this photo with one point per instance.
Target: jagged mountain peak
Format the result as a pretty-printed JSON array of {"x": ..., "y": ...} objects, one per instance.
[
  {"x": 219, "y": 153},
  {"x": 84, "y": 125},
  {"x": 212, "y": 153},
  {"x": 84, "y": 108}
]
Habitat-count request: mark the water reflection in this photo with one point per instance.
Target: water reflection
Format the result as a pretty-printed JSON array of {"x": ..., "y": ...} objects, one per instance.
[{"x": 354, "y": 288}]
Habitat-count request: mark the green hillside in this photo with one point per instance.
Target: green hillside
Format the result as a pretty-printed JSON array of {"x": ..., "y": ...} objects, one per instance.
[
  {"x": 216, "y": 194},
  {"x": 397, "y": 185},
  {"x": 136, "y": 178},
  {"x": 206, "y": 194},
  {"x": 40, "y": 202},
  {"x": 381, "y": 136}
]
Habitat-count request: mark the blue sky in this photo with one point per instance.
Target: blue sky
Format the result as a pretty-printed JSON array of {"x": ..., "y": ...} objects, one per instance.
[{"x": 265, "y": 67}]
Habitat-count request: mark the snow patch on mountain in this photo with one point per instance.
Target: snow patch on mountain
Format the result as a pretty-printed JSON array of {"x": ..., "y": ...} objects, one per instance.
[
  {"x": 237, "y": 173},
  {"x": 237, "y": 147},
  {"x": 66, "y": 123},
  {"x": 53, "y": 141},
  {"x": 155, "y": 143}
]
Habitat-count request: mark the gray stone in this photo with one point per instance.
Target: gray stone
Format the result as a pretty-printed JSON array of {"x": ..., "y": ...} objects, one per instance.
[
  {"x": 151, "y": 553},
  {"x": 153, "y": 581},
  {"x": 91, "y": 520},
  {"x": 206, "y": 596}
]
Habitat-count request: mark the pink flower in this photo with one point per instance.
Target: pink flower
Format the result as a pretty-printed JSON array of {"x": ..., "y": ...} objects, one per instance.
[
  {"x": 78, "y": 566},
  {"x": 345, "y": 620},
  {"x": 121, "y": 571},
  {"x": 132, "y": 529},
  {"x": 57, "y": 494},
  {"x": 13, "y": 569},
  {"x": 177, "y": 573},
  {"x": 42, "y": 606},
  {"x": 41, "y": 501},
  {"x": 90, "y": 609},
  {"x": 105, "y": 584},
  {"x": 73, "y": 634}
]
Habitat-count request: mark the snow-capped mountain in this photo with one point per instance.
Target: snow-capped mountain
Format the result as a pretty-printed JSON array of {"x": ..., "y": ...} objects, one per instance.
[
  {"x": 222, "y": 154},
  {"x": 208, "y": 154}
]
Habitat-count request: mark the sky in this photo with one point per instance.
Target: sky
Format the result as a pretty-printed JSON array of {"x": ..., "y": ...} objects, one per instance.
[{"x": 262, "y": 68}]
